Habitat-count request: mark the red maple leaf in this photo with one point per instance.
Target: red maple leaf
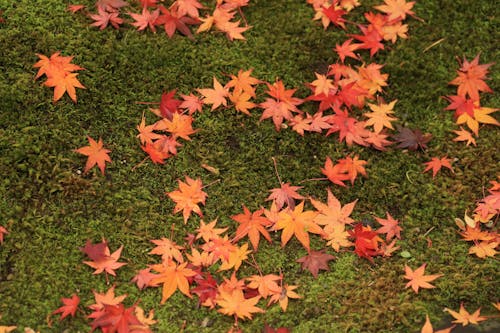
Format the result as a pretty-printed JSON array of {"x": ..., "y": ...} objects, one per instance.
[
  {"x": 285, "y": 194},
  {"x": 252, "y": 224},
  {"x": 116, "y": 318},
  {"x": 102, "y": 258},
  {"x": 347, "y": 50},
  {"x": 206, "y": 289},
  {"x": 173, "y": 21},
  {"x": 370, "y": 39},
  {"x": 143, "y": 278},
  {"x": 69, "y": 308},
  {"x": 334, "y": 14},
  {"x": 470, "y": 79},
  {"x": 366, "y": 242},
  {"x": 390, "y": 227},
  {"x": 169, "y": 104}
]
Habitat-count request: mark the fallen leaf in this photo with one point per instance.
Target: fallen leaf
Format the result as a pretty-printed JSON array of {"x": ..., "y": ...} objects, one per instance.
[
  {"x": 436, "y": 164},
  {"x": 315, "y": 260},
  {"x": 418, "y": 279},
  {"x": 69, "y": 308},
  {"x": 97, "y": 155},
  {"x": 188, "y": 196},
  {"x": 464, "y": 317}
]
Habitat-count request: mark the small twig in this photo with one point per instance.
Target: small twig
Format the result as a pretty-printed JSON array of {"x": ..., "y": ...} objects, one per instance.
[
  {"x": 429, "y": 231},
  {"x": 139, "y": 164},
  {"x": 276, "y": 170},
  {"x": 210, "y": 184},
  {"x": 312, "y": 179},
  {"x": 147, "y": 103},
  {"x": 243, "y": 16},
  {"x": 434, "y": 44}
]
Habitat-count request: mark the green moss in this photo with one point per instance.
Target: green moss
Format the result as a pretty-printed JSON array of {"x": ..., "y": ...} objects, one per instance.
[{"x": 50, "y": 209}]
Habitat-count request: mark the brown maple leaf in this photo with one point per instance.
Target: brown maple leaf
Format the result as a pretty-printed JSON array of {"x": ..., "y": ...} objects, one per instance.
[
  {"x": 315, "y": 260},
  {"x": 188, "y": 196},
  {"x": 411, "y": 139},
  {"x": 418, "y": 279},
  {"x": 97, "y": 155}
]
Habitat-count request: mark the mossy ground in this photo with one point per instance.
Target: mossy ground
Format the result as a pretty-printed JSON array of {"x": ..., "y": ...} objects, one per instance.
[{"x": 51, "y": 210}]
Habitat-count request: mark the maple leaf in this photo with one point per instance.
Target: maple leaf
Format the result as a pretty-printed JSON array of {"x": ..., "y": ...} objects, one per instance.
[
  {"x": 334, "y": 172},
  {"x": 464, "y": 317},
  {"x": 470, "y": 79},
  {"x": 427, "y": 328},
  {"x": 204, "y": 258},
  {"x": 269, "y": 329},
  {"x": 145, "y": 321},
  {"x": 285, "y": 194},
  {"x": 216, "y": 96},
  {"x": 436, "y": 164},
  {"x": 282, "y": 297},
  {"x": 236, "y": 257},
  {"x": 346, "y": 169},
  {"x": 464, "y": 135},
  {"x": 315, "y": 260},
  {"x": 370, "y": 39},
  {"x": 116, "y": 318},
  {"x": 146, "y": 134},
  {"x": 480, "y": 115},
  {"x": 97, "y": 155},
  {"x": 157, "y": 155},
  {"x": 64, "y": 82},
  {"x": 187, "y": 197},
  {"x": 167, "y": 249},
  {"x": 172, "y": 276},
  {"x": 102, "y": 299},
  {"x": 252, "y": 224},
  {"x": 484, "y": 249},
  {"x": 332, "y": 212},
  {"x": 7, "y": 329},
  {"x": 334, "y": 14},
  {"x": 241, "y": 101},
  {"x": 111, "y": 5},
  {"x": 3, "y": 231},
  {"x": 281, "y": 105},
  {"x": 69, "y": 308},
  {"x": 346, "y": 50},
  {"x": 191, "y": 103},
  {"x": 366, "y": 241},
  {"x": 299, "y": 223},
  {"x": 172, "y": 21},
  {"x": 235, "y": 304},
  {"x": 323, "y": 85},
  {"x": 393, "y": 31},
  {"x": 390, "y": 227},
  {"x": 143, "y": 278},
  {"x": 418, "y": 279},
  {"x": 209, "y": 231},
  {"x": 244, "y": 81},
  {"x": 411, "y": 139},
  {"x": 380, "y": 117},
  {"x": 206, "y": 289},
  {"x": 187, "y": 7},
  {"x": 105, "y": 17},
  {"x": 266, "y": 285},
  {"x": 397, "y": 9},
  {"x": 74, "y": 8},
  {"x": 233, "y": 30},
  {"x": 300, "y": 124},
  {"x": 145, "y": 19},
  {"x": 350, "y": 129},
  {"x": 180, "y": 126},
  {"x": 102, "y": 258}
]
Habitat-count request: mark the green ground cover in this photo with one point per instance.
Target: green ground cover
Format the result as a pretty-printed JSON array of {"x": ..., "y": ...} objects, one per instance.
[{"x": 50, "y": 209}]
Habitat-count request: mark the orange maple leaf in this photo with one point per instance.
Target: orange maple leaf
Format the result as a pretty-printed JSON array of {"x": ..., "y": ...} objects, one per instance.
[
  {"x": 64, "y": 82},
  {"x": 436, "y": 164},
  {"x": 105, "y": 298},
  {"x": 380, "y": 117},
  {"x": 145, "y": 19},
  {"x": 146, "y": 134},
  {"x": 216, "y": 96},
  {"x": 390, "y": 227},
  {"x": 427, "y": 328},
  {"x": 323, "y": 85},
  {"x": 346, "y": 169},
  {"x": 209, "y": 231},
  {"x": 96, "y": 155},
  {"x": 179, "y": 126},
  {"x": 299, "y": 223},
  {"x": 265, "y": 284},
  {"x": 463, "y": 135},
  {"x": 484, "y": 249},
  {"x": 69, "y": 308},
  {"x": 252, "y": 224},
  {"x": 235, "y": 304},
  {"x": 236, "y": 257},
  {"x": 241, "y": 101},
  {"x": 167, "y": 249},
  {"x": 188, "y": 196},
  {"x": 332, "y": 212},
  {"x": 244, "y": 81},
  {"x": 465, "y": 318},
  {"x": 418, "y": 279},
  {"x": 396, "y": 9},
  {"x": 286, "y": 292},
  {"x": 173, "y": 277},
  {"x": 470, "y": 79}
]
